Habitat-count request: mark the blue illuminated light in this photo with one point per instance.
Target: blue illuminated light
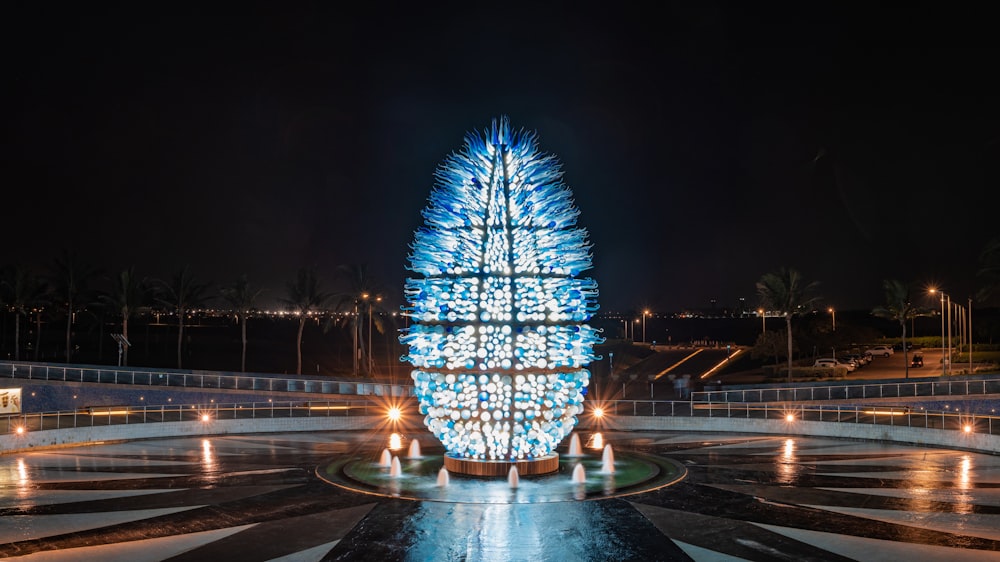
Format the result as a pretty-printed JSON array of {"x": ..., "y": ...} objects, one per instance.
[{"x": 498, "y": 339}]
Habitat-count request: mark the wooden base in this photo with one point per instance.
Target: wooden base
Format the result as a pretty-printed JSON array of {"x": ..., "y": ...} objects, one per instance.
[{"x": 544, "y": 465}]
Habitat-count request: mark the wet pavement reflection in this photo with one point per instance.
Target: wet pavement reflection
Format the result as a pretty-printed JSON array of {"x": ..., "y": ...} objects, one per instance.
[{"x": 260, "y": 497}]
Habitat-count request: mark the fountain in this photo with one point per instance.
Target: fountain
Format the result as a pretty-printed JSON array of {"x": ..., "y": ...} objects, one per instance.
[
  {"x": 512, "y": 478},
  {"x": 608, "y": 460},
  {"x": 443, "y": 478},
  {"x": 426, "y": 478},
  {"x": 498, "y": 335},
  {"x": 574, "y": 446},
  {"x": 386, "y": 459}
]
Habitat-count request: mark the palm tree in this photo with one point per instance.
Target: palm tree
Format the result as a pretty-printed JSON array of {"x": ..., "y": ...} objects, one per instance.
[
  {"x": 70, "y": 279},
  {"x": 181, "y": 294},
  {"x": 241, "y": 298},
  {"x": 305, "y": 295},
  {"x": 23, "y": 292},
  {"x": 128, "y": 294},
  {"x": 898, "y": 308},
  {"x": 786, "y": 293},
  {"x": 364, "y": 297},
  {"x": 42, "y": 305}
]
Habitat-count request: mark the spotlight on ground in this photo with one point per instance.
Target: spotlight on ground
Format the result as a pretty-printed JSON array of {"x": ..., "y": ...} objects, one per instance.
[
  {"x": 789, "y": 417},
  {"x": 206, "y": 418},
  {"x": 598, "y": 413},
  {"x": 967, "y": 428},
  {"x": 394, "y": 413},
  {"x": 20, "y": 430}
]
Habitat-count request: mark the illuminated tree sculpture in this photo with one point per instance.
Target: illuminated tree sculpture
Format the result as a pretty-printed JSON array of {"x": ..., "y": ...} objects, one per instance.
[{"x": 498, "y": 338}]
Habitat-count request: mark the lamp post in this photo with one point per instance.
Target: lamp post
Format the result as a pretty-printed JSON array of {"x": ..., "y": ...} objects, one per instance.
[
  {"x": 949, "y": 332},
  {"x": 833, "y": 314},
  {"x": 354, "y": 350},
  {"x": 645, "y": 313},
  {"x": 371, "y": 360},
  {"x": 945, "y": 349},
  {"x": 763, "y": 321},
  {"x": 970, "y": 335}
]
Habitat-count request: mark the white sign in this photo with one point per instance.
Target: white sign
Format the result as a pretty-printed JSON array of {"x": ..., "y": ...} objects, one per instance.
[{"x": 10, "y": 400}]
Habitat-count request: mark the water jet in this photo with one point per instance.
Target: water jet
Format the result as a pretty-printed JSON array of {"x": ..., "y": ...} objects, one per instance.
[
  {"x": 608, "y": 460},
  {"x": 574, "y": 446}
]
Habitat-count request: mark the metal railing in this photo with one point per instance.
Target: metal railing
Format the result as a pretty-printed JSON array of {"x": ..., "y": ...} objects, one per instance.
[
  {"x": 854, "y": 391},
  {"x": 125, "y": 415},
  {"x": 208, "y": 381},
  {"x": 866, "y": 414}
]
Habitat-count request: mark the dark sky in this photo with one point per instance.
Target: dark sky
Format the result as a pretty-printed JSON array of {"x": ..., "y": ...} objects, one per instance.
[{"x": 705, "y": 145}]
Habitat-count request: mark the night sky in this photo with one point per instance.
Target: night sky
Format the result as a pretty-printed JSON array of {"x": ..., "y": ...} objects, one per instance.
[{"x": 705, "y": 145}]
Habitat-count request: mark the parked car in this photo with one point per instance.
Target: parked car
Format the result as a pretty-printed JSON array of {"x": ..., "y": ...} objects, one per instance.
[
  {"x": 880, "y": 350},
  {"x": 858, "y": 359},
  {"x": 852, "y": 365},
  {"x": 830, "y": 362}
]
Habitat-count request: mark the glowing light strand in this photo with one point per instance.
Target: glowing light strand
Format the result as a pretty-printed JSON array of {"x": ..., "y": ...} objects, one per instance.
[{"x": 499, "y": 340}]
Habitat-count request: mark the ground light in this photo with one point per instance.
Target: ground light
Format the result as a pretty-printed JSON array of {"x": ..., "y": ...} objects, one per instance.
[
  {"x": 394, "y": 414},
  {"x": 790, "y": 418},
  {"x": 395, "y": 441},
  {"x": 20, "y": 430},
  {"x": 206, "y": 418}
]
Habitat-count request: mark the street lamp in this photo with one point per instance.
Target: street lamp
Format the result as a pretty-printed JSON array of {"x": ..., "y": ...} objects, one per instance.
[
  {"x": 970, "y": 335},
  {"x": 946, "y": 361},
  {"x": 833, "y": 313},
  {"x": 763, "y": 320},
  {"x": 645, "y": 313},
  {"x": 371, "y": 359}
]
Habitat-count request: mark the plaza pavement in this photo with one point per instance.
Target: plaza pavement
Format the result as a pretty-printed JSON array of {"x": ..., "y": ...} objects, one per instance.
[{"x": 257, "y": 497}]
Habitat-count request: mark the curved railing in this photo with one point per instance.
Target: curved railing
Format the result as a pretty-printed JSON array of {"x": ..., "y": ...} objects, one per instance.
[
  {"x": 922, "y": 388},
  {"x": 123, "y": 415},
  {"x": 902, "y": 416},
  {"x": 199, "y": 380}
]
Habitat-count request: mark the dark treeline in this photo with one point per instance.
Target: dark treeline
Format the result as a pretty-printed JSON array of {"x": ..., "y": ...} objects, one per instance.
[{"x": 73, "y": 312}]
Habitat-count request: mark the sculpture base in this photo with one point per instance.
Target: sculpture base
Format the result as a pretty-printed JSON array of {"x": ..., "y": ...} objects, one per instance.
[{"x": 472, "y": 467}]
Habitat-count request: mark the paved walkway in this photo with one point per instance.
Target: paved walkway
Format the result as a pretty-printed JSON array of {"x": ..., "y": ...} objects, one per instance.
[{"x": 745, "y": 497}]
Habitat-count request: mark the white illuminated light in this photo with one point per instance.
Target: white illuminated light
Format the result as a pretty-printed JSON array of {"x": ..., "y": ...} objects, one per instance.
[{"x": 498, "y": 338}]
